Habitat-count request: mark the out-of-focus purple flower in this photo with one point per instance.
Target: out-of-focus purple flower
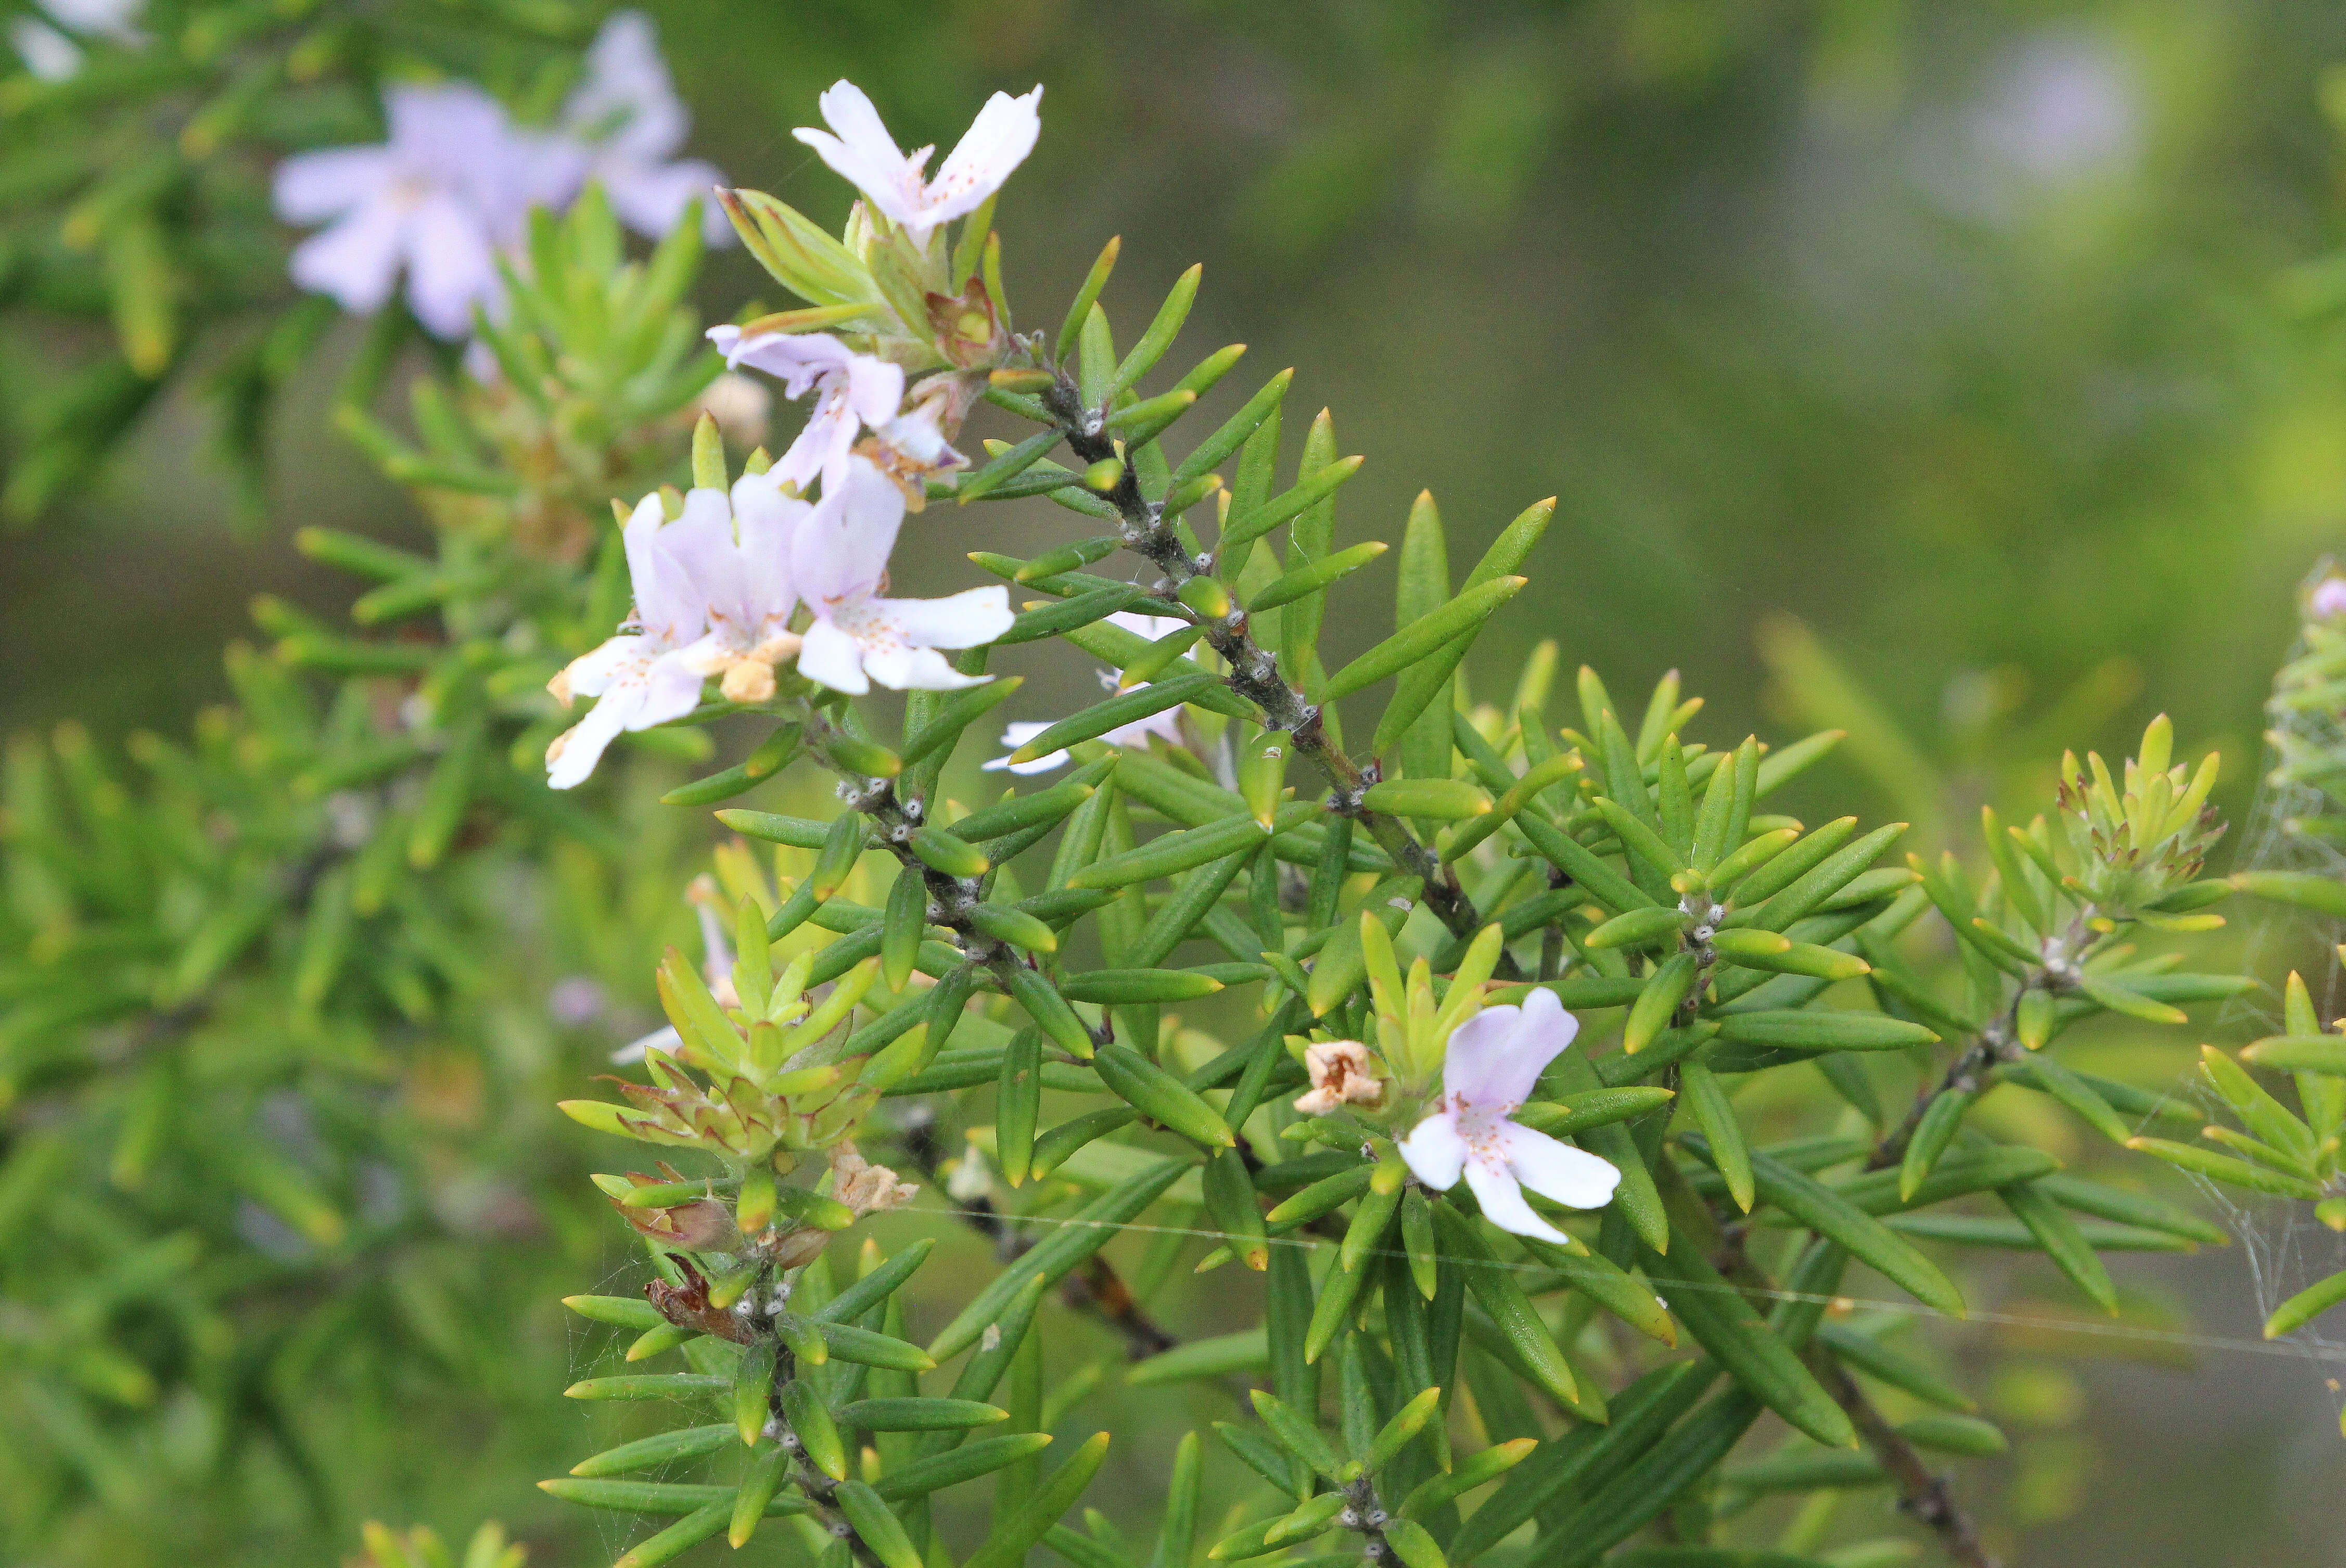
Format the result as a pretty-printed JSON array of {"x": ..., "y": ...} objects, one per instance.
[
  {"x": 452, "y": 187},
  {"x": 627, "y": 117},
  {"x": 576, "y": 1001}
]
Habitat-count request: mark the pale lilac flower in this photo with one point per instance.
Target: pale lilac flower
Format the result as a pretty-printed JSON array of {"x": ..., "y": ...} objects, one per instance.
[
  {"x": 626, "y": 115},
  {"x": 859, "y": 147},
  {"x": 2329, "y": 598},
  {"x": 713, "y": 597},
  {"x": 1487, "y": 1072},
  {"x": 855, "y": 391},
  {"x": 98, "y": 18},
  {"x": 839, "y": 558},
  {"x": 450, "y": 188},
  {"x": 1165, "y": 724}
]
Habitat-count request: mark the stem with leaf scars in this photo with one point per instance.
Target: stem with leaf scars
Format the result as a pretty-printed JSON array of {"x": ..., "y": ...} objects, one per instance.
[
  {"x": 820, "y": 1491},
  {"x": 1254, "y": 670},
  {"x": 1999, "y": 1041},
  {"x": 1928, "y": 1497}
]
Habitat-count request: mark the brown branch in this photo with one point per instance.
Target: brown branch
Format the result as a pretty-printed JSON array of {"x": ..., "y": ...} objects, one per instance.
[
  {"x": 1928, "y": 1497},
  {"x": 1254, "y": 670},
  {"x": 1999, "y": 1041}
]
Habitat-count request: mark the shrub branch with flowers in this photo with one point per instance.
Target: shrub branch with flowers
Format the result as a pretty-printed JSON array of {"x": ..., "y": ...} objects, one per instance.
[
  {"x": 1442, "y": 1185},
  {"x": 1481, "y": 1004}
]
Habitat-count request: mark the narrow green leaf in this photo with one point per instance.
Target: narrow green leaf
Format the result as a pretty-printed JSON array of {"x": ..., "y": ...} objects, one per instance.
[
  {"x": 1707, "y": 1100},
  {"x": 1833, "y": 1215},
  {"x": 1412, "y": 642},
  {"x": 1006, "y": 1545},
  {"x": 2058, "y": 1236},
  {"x": 1080, "y": 310}
]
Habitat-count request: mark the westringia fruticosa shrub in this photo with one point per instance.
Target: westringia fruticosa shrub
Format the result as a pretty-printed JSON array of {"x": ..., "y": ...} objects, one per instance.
[
  {"x": 1491, "y": 985},
  {"x": 1440, "y": 1028}
]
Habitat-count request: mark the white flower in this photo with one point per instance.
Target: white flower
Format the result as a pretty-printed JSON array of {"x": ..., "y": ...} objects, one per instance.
[
  {"x": 627, "y": 116},
  {"x": 839, "y": 558},
  {"x": 105, "y": 18},
  {"x": 1165, "y": 723},
  {"x": 713, "y": 597},
  {"x": 996, "y": 142},
  {"x": 448, "y": 191},
  {"x": 855, "y": 391},
  {"x": 1489, "y": 1067},
  {"x": 2329, "y": 598}
]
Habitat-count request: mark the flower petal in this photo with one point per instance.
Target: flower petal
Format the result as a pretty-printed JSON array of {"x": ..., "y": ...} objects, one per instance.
[
  {"x": 650, "y": 198},
  {"x": 312, "y": 186},
  {"x": 848, "y": 111},
  {"x": 794, "y": 359},
  {"x": 822, "y": 447},
  {"x": 900, "y": 667},
  {"x": 1016, "y": 734},
  {"x": 628, "y": 102},
  {"x": 1495, "y": 1187},
  {"x": 831, "y": 657},
  {"x": 1434, "y": 1152},
  {"x": 764, "y": 519},
  {"x": 874, "y": 389},
  {"x": 863, "y": 151},
  {"x": 595, "y": 671},
  {"x": 839, "y": 549},
  {"x": 996, "y": 142},
  {"x": 450, "y": 266},
  {"x": 1150, "y": 627},
  {"x": 971, "y": 618},
  {"x": 47, "y": 53},
  {"x": 584, "y": 743},
  {"x": 453, "y": 129},
  {"x": 671, "y": 690},
  {"x": 1495, "y": 1057},
  {"x": 356, "y": 262},
  {"x": 1473, "y": 1063},
  {"x": 640, "y": 536},
  {"x": 702, "y": 542},
  {"x": 1555, "y": 1169},
  {"x": 669, "y": 603},
  {"x": 1165, "y": 723}
]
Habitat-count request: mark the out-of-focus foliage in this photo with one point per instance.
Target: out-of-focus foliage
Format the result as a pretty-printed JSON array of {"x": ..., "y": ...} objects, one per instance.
[{"x": 277, "y": 1023}]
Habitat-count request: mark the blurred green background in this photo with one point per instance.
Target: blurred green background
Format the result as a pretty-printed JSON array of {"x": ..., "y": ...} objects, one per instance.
[{"x": 1978, "y": 349}]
